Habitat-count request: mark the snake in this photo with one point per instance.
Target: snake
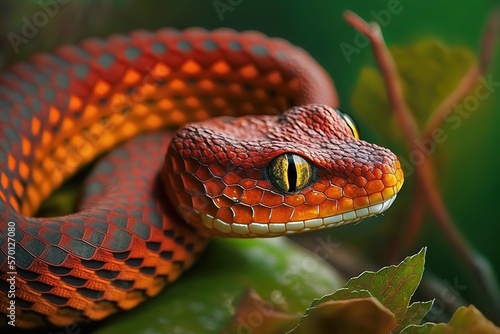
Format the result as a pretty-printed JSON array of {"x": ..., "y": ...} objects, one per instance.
[{"x": 206, "y": 133}]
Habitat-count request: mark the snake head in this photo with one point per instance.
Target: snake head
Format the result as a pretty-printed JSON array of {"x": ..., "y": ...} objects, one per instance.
[{"x": 271, "y": 175}]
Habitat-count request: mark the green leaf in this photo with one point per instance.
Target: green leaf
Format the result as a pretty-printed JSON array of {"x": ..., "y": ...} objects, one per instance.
[
  {"x": 393, "y": 286},
  {"x": 414, "y": 315}
]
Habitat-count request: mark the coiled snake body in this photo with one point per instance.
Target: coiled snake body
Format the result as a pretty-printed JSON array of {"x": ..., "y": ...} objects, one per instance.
[{"x": 252, "y": 176}]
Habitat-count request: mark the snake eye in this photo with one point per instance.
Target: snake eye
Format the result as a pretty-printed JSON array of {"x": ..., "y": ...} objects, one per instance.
[
  {"x": 290, "y": 172},
  {"x": 350, "y": 123}
]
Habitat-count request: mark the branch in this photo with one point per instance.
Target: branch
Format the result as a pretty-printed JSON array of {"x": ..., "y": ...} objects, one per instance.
[
  {"x": 470, "y": 79},
  {"x": 479, "y": 268}
]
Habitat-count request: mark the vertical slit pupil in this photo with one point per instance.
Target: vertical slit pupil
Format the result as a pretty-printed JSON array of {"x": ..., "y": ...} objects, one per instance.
[{"x": 292, "y": 173}]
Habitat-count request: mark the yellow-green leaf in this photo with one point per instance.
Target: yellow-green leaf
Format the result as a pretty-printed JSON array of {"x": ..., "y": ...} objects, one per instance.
[{"x": 466, "y": 320}]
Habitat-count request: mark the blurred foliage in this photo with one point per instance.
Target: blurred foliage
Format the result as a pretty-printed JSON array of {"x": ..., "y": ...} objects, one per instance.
[
  {"x": 203, "y": 300},
  {"x": 468, "y": 160}
]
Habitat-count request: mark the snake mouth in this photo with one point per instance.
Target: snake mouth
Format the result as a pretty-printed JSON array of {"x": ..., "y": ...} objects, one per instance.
[{"x": 220, "y": 227}]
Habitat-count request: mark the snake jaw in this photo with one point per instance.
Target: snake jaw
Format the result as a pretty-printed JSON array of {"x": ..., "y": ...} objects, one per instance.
[{"x": 217, "y": 174}]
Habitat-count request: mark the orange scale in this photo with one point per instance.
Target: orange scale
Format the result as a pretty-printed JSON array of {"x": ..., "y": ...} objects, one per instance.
[
  {"x": 154, "y": 122},
  {"x": 281, "y": 214},
  {"x": 11, "y": 162},
  {"x": 261, "y": 214},
  {"x": 389, "y": 180},
  {"x": 207, "y": 84},
  {"x": 272, "y": 200},
  {"x": 315, "y": 197},
  {"x": 252, "y": 196},
  {"x": 14, "y": 203},
  {"x": 201, "y": 172},
  {"x": 67, "y": 125},
  {"x": 357, "y": 171},
  {"x": 328, "y": 208},
  {"x": 219, "y": 102},
  {"x": 321, "y": 186},
  {"x": 360, "y": 181},
  {"x": 194, "y": 186},
  {"x": 361, "y": 202},
  {"x": 306, "y": 212},
  {"x": 2, "y": 196},
  {"x": 46, "y": 138},
  {"x": 75, "y": 102},
  {"x": 295, "y": 200},
  {"x": 217, "y": 169},
  {"x": 375, "y": 198},
  {"x": 260, "y": 94},
  {"x": 235, "y": 88},
  {"x": 54, "y": 115},
  {"x": 35, "y": 126},
  {"x": 225, "y": 214},
  {"x": 334, "y": 192},
  {"x": 249, "y": 71},
  {"x": 192, "y": 102},
  {"x": 377, "y": 173},
  {"x": 4, "y": 180},
  {"x": 231, "y": 178},
  {"x": 399, "y": 175},
  {"x": 341, "y": 182},
  {"x": 191, "y": 67},
  {"x": 177, "y": 116},
  {"x": 160, "y": 70},
  {"x": 275, "y": 78},
  {"x": 201, "y": 114},
  {"x": 248, "y": 183},
  {"x": 24, "y": 170},
  {"x": 25, "y": 146},
  {"x": 131, "y": 77},
  {"x": 233, "y": 192},
  {"x": 37, "y": 175},
  {"x": 129, "y": 129},
  {"x": 353, "y": 191},
  {"x": 222, "y": 202},
  {"x": 345, "y": 204},
  {"x": 243, "y": 214},
  {"x": 101, "y": 88},
  {"x": 221, "y": 67},
  {"x": 213, "y": 187},
  {"x": 388, "y": 193},
  {"x": 177, "y": 84},
  {"x": 165, "y": 104},
  {"x": 374, "y": 186}
]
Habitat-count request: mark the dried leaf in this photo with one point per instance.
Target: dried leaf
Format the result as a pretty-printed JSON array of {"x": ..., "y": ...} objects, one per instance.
[
  {"x": 254, "y": 314},
  {"x": 354, "y": 316}
]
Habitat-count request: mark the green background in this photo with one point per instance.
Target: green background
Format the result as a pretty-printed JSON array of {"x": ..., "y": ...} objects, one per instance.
[{"x": 468, "y": 161}]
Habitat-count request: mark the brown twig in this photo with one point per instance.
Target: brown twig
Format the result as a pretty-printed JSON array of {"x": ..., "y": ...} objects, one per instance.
[
  {"x": 464, "y": 86},
  {"x": 405, "y": 237},
  {"x": 478, "y": 267}
]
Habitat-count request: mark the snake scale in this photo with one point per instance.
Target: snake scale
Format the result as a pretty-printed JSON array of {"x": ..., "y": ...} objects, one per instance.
[{"x": 289, "y": 163}]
